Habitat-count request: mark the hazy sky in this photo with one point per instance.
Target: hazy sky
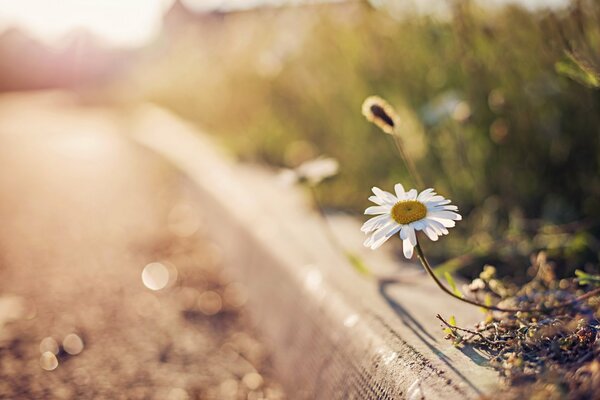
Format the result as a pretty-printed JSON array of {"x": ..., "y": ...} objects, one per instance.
[
  {"x": 118, "y": 22},
  {"x": 135, "y": 22}
]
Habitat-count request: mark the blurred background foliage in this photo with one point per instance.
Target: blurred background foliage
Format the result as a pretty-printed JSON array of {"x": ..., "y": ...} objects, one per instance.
[{"x": 500, "y": 109}]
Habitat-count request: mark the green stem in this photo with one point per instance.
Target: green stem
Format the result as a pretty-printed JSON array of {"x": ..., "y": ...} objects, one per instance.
[
  {"x": 325, "y": 223},
  {"x": 429, "y": 270},
  {"x": 410, "y": 165},
  {"x": 331, "y": 236}
]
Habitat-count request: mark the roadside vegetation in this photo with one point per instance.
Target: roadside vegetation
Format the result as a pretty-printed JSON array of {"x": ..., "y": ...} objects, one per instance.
[{"x": 498, "y": 109}]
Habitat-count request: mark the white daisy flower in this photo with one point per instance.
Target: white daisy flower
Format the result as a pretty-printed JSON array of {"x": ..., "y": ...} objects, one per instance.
[
  {"x": 312, "y": 171},
  {"x": 317, "y": 170},
  {"x": 405, "y": 213}
]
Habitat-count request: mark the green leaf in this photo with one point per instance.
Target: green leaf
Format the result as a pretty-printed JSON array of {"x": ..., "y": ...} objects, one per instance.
[
  {"x": 452, "y": 284},
  {"x": 580, "y": 273},
  {"x": 487, "y": 300},
  {"x": 358, "y": 264},
  {"x": 583, "y": 278},
  {"x": 579, "y": 69},
  {"x": 453, "y": 332},
  {"x": 452, "y": 320},
  {"x": 449, "y": 331}
]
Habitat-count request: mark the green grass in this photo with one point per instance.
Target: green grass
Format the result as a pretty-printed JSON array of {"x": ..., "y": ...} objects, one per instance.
[{"x": 500, "y": 110}]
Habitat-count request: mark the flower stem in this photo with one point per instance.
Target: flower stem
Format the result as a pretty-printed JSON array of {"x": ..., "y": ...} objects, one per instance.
[
  {"x": 410, "y": 165},
  {"x": 429, "y": 270},
  {"x": 327, "y": 229},
  {"x": 331, "y": 236}
]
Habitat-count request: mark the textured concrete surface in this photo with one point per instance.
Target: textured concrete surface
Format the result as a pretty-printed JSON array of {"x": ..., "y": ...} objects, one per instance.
[{"x": 334, "y": 333}]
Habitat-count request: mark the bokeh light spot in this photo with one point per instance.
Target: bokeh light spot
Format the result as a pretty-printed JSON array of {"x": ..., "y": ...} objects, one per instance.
[
  {"x": 73, "y": 344},
  {"x": 210, "y": 302},
  {"x": 351, "y": 320},
  {"x": 252, "y": 380},
  {"x": 155, "y": 276},
  {"x": 48, "y": 344},
  {"x": 48, "y": 361}
]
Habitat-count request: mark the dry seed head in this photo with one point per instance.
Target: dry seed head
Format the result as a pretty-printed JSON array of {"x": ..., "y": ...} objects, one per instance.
[{"x": 379, "y": 112}]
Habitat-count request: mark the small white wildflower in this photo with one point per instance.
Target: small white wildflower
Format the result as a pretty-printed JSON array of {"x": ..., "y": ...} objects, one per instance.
[
  {"x": 407, "y": 212},
  {"x": 287, "y": 177},
  {"x": 312, "y": 171}
]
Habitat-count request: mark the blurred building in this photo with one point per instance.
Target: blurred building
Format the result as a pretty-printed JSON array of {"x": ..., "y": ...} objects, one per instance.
[{"x": 27, "y": 64}]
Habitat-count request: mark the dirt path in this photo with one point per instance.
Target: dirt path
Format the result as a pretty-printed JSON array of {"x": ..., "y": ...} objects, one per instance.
[{"x": 82, "y": 212}]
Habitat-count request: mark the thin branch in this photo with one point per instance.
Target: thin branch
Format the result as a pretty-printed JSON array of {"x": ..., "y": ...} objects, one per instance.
[
  {"x": 535, "y": 309},
  {"x": 473, "y": 333}
]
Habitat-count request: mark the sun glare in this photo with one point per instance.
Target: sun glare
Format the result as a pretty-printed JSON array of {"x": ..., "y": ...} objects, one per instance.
[{"x": 120, "y": 23}]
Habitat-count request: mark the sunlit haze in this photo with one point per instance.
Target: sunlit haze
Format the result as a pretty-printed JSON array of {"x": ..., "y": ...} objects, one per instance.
[
  {"x": 117, "y": 22},
  {"x": 133, "y": 23}
]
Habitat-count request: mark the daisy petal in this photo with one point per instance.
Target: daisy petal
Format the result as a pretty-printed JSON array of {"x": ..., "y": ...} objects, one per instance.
[
  {"x": 448, "y": 223},
  {"x": 419, "y": 225},
  {"x": 378, "y": 234},
  {"x": 404, "y": 232},
  {"x": 425, "y": 194},
  {"x": 445, "y": 214},
  {"x": 383, "y": 234},
  {"x": 438, "y": 200},
  {"x": 387, "y": 197},
  {"x": 374, "y": 210},
  {"x": 407, "y": 249},
  {"x": 449, "y": 207},
  {"x": 399, "y": 189},
  {"x": 430, "y": 232},
  {"x": 435, "y": 204},
  {"x": 437, "y": 226},
  {"x": 435, "y": 210},
  {"x": 375, "y": 223},
  {"x": 376, "y": 200},
  {"x": 411, "y": 194},
  {"x": 412, "y": 237}
]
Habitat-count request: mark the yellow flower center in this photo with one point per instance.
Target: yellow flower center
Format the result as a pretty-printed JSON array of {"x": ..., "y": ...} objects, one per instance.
[{"x": 407, "y": 211}]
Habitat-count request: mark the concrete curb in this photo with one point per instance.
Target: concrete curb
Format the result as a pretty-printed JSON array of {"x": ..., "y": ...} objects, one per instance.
[{"x": 334, "y": 334}]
